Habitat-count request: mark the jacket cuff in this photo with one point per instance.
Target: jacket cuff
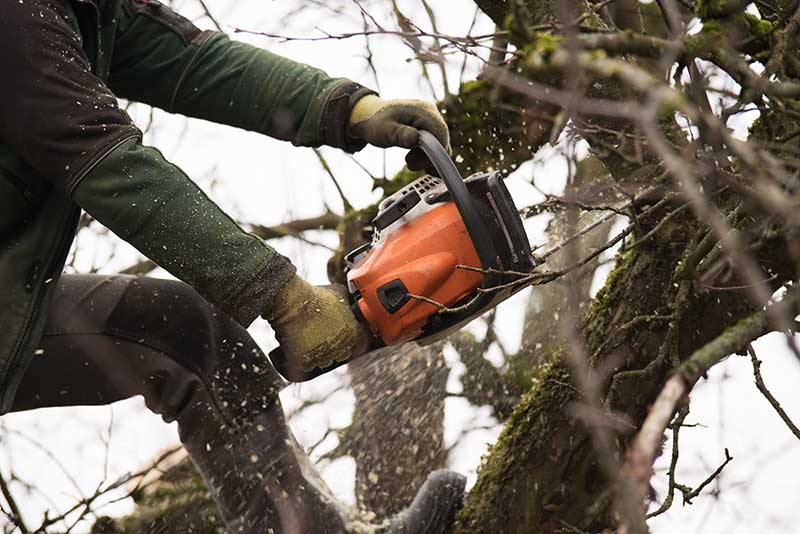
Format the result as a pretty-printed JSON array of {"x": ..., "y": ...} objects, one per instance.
[
  {"x": 259, "y": 294},
  {"x": 336, "y": 117}
]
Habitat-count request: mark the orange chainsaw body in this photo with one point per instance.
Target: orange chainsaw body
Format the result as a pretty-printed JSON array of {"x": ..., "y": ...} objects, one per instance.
[
  {"x": 423, "y": 255},
  {"x": 408, "y": 282}
]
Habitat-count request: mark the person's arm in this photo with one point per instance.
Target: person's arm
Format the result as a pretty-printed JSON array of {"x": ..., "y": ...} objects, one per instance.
[
  {"x": 65, "y": 123},
  {"x": 162, "y": 59}
]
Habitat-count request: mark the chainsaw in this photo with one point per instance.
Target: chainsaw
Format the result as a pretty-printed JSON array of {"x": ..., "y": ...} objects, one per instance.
[{"x": 444, "y": 251}]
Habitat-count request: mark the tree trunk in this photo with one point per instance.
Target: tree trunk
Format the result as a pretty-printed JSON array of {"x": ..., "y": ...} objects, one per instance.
[{"x": 397, "y": 434}]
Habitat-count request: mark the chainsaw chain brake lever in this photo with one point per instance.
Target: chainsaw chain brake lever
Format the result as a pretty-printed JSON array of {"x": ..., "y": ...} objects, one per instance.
[{"x": 476, "y": 226}]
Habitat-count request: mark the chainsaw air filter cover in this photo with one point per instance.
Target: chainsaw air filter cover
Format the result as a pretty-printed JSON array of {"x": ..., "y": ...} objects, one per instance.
[{"x": 433, "y": 247}]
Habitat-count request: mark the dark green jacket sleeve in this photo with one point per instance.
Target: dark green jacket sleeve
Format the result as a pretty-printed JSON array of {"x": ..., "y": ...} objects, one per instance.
[
  {"x": 154, "y": 206},
  {"x": 63, "y": 121},
  {"x": 162, "y": 59}
]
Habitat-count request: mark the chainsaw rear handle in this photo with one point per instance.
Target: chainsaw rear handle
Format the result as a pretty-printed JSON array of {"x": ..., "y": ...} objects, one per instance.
[{"x": 475, "y": 224}]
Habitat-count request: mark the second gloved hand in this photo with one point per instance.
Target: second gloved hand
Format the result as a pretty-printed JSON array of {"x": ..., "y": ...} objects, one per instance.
[
  {"x": 315, "y": 325},
  {"x": 388, "y": 123}
]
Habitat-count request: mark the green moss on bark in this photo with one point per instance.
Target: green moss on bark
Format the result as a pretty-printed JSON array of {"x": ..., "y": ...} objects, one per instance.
[
  {"x": 501, "y": 487},
  {"x": 543, "y": 471}
]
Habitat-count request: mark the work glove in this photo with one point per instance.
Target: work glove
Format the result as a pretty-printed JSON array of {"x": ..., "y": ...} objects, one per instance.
[
  {"x": 315, "y": 325},
  {"x": 388, "y": 123}
]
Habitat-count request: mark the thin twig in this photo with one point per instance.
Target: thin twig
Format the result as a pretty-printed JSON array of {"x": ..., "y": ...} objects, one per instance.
[
  {"x": 689, "y": 494},
  {"x": 347, "y": 206},
  {"x": 15, "y": 515},
  {"x": 676, "y": 426},
  {"x": 768, "y": 395}
]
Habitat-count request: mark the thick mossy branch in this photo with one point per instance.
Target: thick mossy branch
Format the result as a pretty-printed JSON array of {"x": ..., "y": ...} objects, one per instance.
[
  {"x": 542, "y": 465},
  {"x": 500, "y": 488},
  {"x": 543, "y": 471}
]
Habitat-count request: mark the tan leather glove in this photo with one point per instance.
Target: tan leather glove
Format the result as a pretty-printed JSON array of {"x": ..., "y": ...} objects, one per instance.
[
  {"x": 315, "y": 325},
  {"x": 388, "y": 123}
]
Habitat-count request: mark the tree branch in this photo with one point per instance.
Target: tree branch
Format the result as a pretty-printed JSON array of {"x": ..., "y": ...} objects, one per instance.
[
  {"x": 639, "y": 459},
  {"x": 768, "y": 395},
  {"x": 15, "y": 515}
]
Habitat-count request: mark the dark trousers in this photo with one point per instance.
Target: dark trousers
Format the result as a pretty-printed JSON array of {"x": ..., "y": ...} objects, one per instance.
[{"x": 109, "y": 338}]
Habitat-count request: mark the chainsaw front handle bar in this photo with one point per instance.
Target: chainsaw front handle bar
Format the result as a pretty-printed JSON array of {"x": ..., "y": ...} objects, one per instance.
[{"x": 466, "y": 205}]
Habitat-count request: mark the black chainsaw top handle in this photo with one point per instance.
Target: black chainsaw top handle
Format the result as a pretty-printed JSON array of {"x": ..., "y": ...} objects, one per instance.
[{"x": 476, "y": 226}]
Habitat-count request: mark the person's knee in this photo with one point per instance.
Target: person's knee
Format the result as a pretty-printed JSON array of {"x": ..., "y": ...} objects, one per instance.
[{"x": 173, "y": 318}]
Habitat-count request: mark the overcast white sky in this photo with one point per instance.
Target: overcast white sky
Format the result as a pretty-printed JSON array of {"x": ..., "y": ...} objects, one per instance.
[{"x": 266, "y": 181}]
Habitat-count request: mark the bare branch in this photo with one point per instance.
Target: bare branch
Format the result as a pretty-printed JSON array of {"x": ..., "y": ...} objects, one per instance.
[
  {"x": 689, "y": 494},
  {"x": 768, "y": 395},
  {"x": 208, "y": 14},
  {"x": 15, "y": 515},
  {"x": 641, "y": 454},
  {"x": 329, "y": 172}
]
